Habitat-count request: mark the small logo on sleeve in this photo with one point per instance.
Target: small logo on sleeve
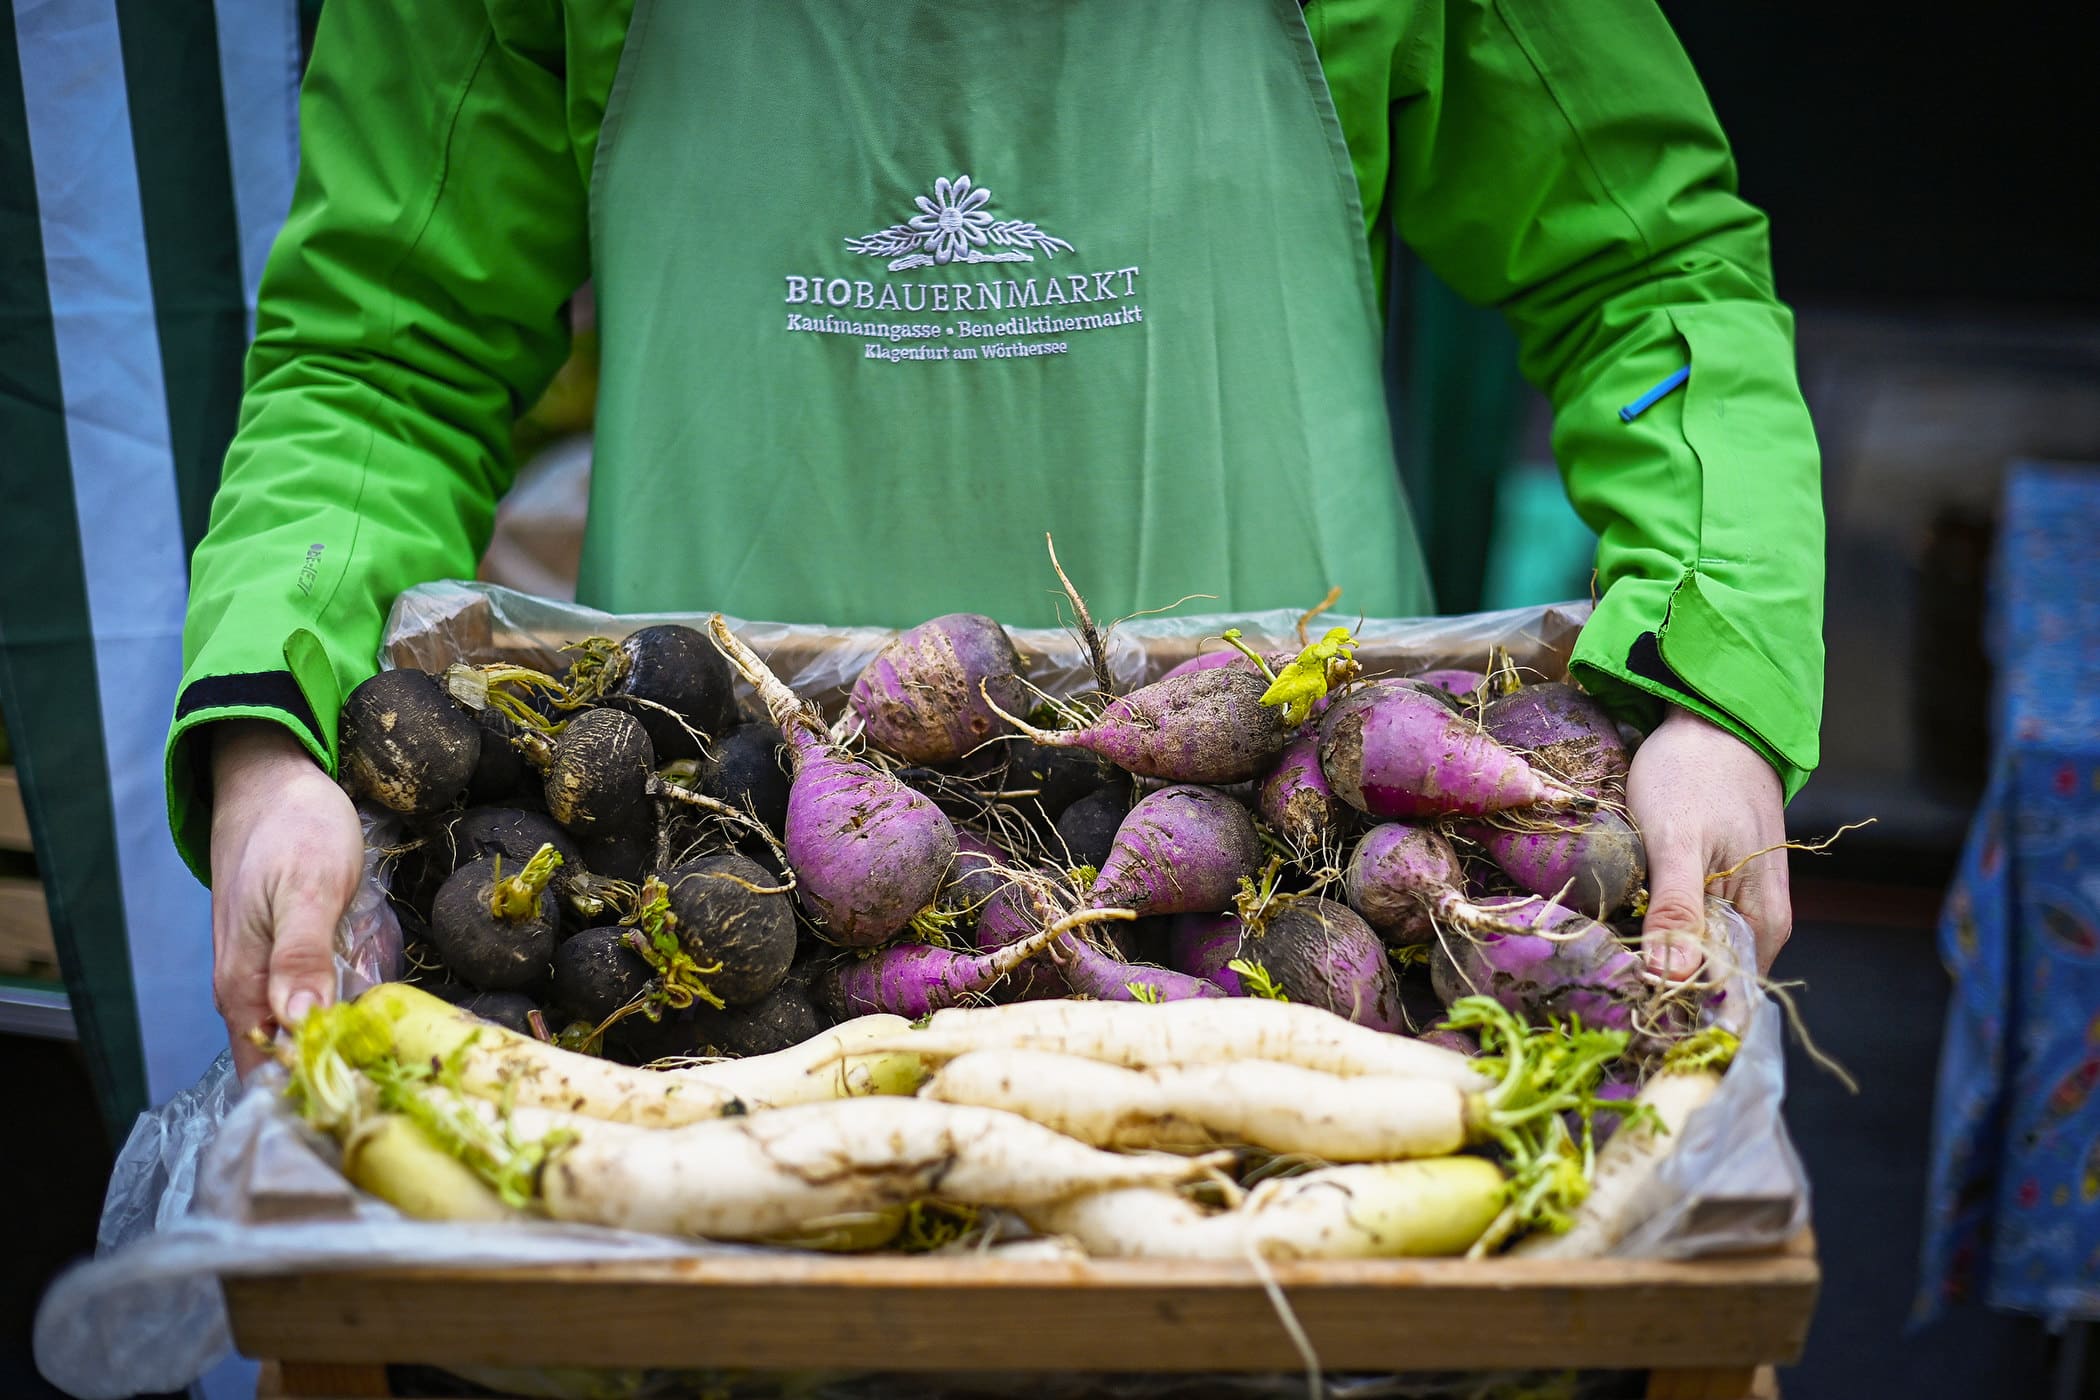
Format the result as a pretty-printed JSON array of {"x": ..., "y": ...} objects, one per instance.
[{"x": 310, "y": 568}]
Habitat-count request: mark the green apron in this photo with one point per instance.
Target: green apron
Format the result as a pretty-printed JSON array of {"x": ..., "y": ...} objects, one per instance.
[{"x": 888, "y": 289}]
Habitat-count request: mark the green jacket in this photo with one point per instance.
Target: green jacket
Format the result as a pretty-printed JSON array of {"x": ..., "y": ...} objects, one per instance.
[{"x": 1559, "y": 162}]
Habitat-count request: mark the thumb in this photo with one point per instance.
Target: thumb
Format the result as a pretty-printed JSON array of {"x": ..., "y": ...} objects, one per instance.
[
  {"x": 302, "y": 958},
  {"x": 1676, "y": 918}
]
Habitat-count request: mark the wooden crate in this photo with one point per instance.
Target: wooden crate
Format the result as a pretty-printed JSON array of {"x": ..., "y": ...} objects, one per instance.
[
  {"x": 26, "y": 949},
  {"x": 1704, "y": 1329}
]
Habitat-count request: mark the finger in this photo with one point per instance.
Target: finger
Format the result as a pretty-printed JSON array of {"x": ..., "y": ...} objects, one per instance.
[
  {"x": 302, "y": 957},
  {"x": 240, "y": 990},
  {"x": 1670, "y": 932},
  {"x": 247, "y": 1055},
  {"x": 1766, "y": 904}
]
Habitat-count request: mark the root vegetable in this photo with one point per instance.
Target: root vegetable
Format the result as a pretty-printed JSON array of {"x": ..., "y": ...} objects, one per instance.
[
  {"x": 1283, "y": 1108},
  {"x": 1087, "y": 829},
  {"x": 1568, "y": 966},
  {"x": 767, "y": 1173},
  {"x": 596, "y": 778},
  {"x": 924, "y": 696},
  {"x": 1565, "y": 733},
  {"x": 916, "y": 979},
  {"x": 868, "y": 852},
  {"x": 1090, "y": 971},
  {"x": 1465, "y": 685},
  {"x": 510, "y": 832},
  {"x": 1202, "y": 945},
  {"x": 1181, "y": 850},
  {"x": 597, "y": 972},
  {"x": 501, "y": 774},
  {"x": 492, "y": 1063},
  {"x": 1440, "y": 1206},
  {"x": 624, "y": 856},
  {"x": 1592, "y": 861},
  {"x": 667, "y": 677},
  {"x": 390, "y": 1157},
  {"x": 782, "y": 1019},
  {"x": 1400, "y": 752},
  {"x": 406, "y": 744},
  {"x": 749, "y": 771},
  {"x": 510, "y": 1010},
  {"x": 1323, "y": 954},
  {"x": 1013, "y": 913},
  {"x": 1206, "y": 726},
  {"x": 1405, "y": 880},
  {"x": 735, "y": 923},
  {"x": 498, "y": 931},
  {"x": 1186, "y": 1033},
  {"x": 1295, "y": 799},
  {"x": 1617, "y": 1203},
  {"x": 1059, "y": 776},
  {"x": 980, "y": 871}
]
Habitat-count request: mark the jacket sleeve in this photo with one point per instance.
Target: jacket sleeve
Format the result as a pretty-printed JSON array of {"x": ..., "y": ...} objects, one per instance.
[
  {"x": 1561, "y": 162},
  {"x": 411, "y": 307}
]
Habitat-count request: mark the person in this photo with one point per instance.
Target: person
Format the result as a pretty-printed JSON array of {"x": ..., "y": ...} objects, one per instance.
[{"x": 888, "y": 290}]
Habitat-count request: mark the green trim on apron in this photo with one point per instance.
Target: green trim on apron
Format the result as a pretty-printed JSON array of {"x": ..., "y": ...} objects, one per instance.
[{"x": 889, "y": 290}]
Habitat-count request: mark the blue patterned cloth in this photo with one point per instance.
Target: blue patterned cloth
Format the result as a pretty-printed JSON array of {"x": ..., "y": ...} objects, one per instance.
[{"x": 2013, "y": 1210}]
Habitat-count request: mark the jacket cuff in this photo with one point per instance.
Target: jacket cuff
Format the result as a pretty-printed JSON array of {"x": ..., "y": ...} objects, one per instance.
[
  {"x": 1655, "y": 641},
  {"x": 303, "y": 697}
]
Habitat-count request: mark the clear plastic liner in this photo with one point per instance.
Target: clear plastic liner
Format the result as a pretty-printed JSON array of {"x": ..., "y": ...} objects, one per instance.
[
  {"x": 436, "y": 624},
  {"x": 222, "y": 1182}
]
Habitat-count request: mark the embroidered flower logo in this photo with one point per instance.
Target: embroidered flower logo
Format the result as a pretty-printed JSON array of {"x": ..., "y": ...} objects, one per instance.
[{"x": 953, "y": 227}]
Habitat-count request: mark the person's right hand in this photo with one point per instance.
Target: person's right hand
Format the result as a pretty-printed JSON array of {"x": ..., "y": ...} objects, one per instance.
[{"x": 286, "y": 853}]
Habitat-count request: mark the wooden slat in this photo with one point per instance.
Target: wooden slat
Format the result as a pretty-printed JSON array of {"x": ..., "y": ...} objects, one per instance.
[
  {"x": 305, "y": 1380},
  {"x": 1721, "y": 1383},
  {"x": 906, "y": 1314},
  {"x": 14, "y": 818},
  {"x": 26, "y": 949}
]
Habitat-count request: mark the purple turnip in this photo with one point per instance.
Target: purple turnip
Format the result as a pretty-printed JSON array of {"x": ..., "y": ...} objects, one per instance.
[
  {"x": 1091, "y": 972},
  {"x": 1464, "y": 685},
  {"x": 1405, "y": 880},
  {"x": 1206, "y": 726},
  {"x": 1203, "y": 945},
  {"x": 1592, "y": 861},
  {"x": 867, "y": 851},
  {"x": 1395, "y": 750},
  {"x": 1017, "y": 910},
  {"x": 1182, "y": 850},
  {"x": 1567, "y": 965},
  {"x": 917, "y": 979},
  {"x": 1323, "y": 954},
  {"x": 1296, "y": 801},
  {"x": 1564, "y": 732},
  {"x": 929, "y": 696}
]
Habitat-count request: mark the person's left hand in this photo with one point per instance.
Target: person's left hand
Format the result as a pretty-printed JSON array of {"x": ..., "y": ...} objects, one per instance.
[{"x": 1707, "y": 802}]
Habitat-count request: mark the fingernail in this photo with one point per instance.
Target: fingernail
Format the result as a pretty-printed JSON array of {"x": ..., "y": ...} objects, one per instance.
[
  {"x": 295, "y": 1010},
  {"x": 1677, "y": 961}
]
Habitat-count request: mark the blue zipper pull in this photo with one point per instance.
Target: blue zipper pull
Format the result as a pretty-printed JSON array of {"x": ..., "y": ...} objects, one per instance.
[{"x": 1653, "y": 396}]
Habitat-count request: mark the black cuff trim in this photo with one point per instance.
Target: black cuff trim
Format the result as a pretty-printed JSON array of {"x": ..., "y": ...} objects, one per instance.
[
  {"x": 269, "y": 690},
  {"x": 1645, "y": 659}
]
